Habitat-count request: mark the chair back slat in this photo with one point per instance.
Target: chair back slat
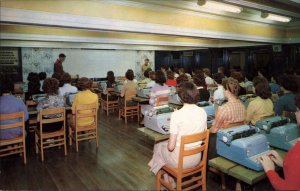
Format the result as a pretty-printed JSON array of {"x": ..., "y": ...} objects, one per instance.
[
  {"x": 52, "y": 111},
  {"x": 11, "y": 116},
  {"x": 130, "y": 95},
  {"x": 86, "y": 107},
  {"x": 53, "y": 120},
  {"x": 233, "y": 124},
  {"x": 202, "y": 139}
]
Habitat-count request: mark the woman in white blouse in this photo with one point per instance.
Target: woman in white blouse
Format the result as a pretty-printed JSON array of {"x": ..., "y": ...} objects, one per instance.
[{"x": 190, "y": 119}]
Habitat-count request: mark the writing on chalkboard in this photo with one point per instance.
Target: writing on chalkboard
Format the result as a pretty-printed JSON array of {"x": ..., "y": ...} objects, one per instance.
[{"x": 9, "y": 56}]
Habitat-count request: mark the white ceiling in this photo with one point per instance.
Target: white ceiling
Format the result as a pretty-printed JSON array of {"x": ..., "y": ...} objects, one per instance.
[{"x": 251, "y": 9}]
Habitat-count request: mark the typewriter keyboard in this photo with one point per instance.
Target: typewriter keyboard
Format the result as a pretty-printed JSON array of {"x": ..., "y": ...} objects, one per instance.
[{"x": 256, "y": 157}]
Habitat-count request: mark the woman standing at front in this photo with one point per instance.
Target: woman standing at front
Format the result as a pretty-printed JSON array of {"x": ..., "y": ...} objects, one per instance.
[{"x": 190, "y": 119}]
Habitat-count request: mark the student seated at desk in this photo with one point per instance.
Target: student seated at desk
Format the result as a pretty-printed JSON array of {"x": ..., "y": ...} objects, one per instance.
[
  {"x": 199, "y": 81},
  {"x": 134, "y": 80},
  {"x": 171, "y": 79},
  {"x": 33, "y": 85},
  {"x": 67, "y": 87},
  {"x": 290, "y": 165},
  {"x": 262, "y": 106},
  {"x": 10, "y": 104},
  {"x": 51, "y": 101},
  {"x": 86, "y": 96},
  {"x": 42, "y": 77},
  {"x": 219, "y": 93},
  {"x": 231, "y": 112},
  {"x": 208, "y": 80},
  {"x": 143, "y": 83},
  {"x": 286, "y": 102},
  {"x": 129, "y": 90},
  {"x": 111, "y": 82},
  {"x": 160, "y": 89},
  {"x": 152, "y": 79},
  {"x": 188, "y": 120}
]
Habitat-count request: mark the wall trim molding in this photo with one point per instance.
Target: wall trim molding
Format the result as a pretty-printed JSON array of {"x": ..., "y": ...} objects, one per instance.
[
  {"x": 96, "y": 40},
  {"x": 28, "y": 17}
]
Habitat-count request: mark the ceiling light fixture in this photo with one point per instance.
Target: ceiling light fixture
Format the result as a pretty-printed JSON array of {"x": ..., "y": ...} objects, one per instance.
[
  {"x": 274, "y": 17},
  {"x": 214, "y": 5}
]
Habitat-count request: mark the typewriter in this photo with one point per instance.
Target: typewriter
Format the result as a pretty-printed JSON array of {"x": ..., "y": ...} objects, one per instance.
[
  {"x": 38, "y": 97},
  {"x": 118, "y": 87},
  {"x": 70, "y": 98},
  {"x": 209, "y": 109},
  {"x": 246, "y": 99},
  {"x": 144, "y": 92},
  {"x": 158, "y": 119},
  {"x": 279, "y": 131},
  {"x": 242, "y": 145},
  {"x": 174, "y": 99}
]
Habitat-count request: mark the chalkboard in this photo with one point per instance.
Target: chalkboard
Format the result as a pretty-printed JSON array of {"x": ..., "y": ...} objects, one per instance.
[{"x": 10, "y": 63}]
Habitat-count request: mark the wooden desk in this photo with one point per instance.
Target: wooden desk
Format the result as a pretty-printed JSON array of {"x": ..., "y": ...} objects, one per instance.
[
  {"x": 153, "y": 135},
  {"x": 141, "y": 99},
  {"x": 237, "y": 171},
  {"x": 174, "y": 106}
]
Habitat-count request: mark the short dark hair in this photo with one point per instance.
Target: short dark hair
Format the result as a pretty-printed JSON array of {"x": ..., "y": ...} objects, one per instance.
[
  {"x": 84, "y": 83},
  {"x": 288, "y": 82},
  {"x": 110, "y": 77},
  {"x": 163, "y": 66},
  {"x": 129, "y": 74},
  {"x": 170, "y": 75},
  {"x": 199, "y": 80},
  {"x": 218, "y": 77},
  {"x": 146, "y": 73},
  {"x": 238, "y": 76},
  {"x": 147, "y": 59},
  {"x": 207, "y": 71},
  {"x": 160, "y": 77},
  {"x": 182, "y": 78},
  {"x": 51, "y": 86},
  {"x": 188, "y": 93},
  {"x": 232, "y": 85},
  {"x": 57, "y": 76},
  {"x": 152, "y": 75},
  {"x": 7, "y": 85},
  {"x": 42, "y": 75},
  {"x": 66, "y": 78},
  {"x": 222, "y": 69},
  {"x": 62, "y": 55},
  {"x": 262, "y": 88}
]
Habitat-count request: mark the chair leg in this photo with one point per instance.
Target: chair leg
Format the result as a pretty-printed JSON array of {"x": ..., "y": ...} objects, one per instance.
[
  {"x": 223, "y": 181},
  {"x": 65, "y": 144},
  {"x": 125, "y": 115},
  {"x": 138, "y": 115},
  {"x": 42, "y": 149},
  {"x": 70, "y": 136},
  {"x": 158, "y": 184},
  {"x": 76, "y": 141},
  {"x": 24, "y": 152},
  {"x": 36, "y": 143},
  {"x": 107, "y": 110},
  {"x": 178, "y": 185}
]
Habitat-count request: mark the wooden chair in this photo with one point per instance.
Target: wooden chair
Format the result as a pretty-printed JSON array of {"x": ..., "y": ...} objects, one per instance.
[
  {"x": 15, "y": 145},
  {"x": 32, "y": 121},
  {"x": 87, "y": 132},
  {"x": 129, "y": 111},
  {"x": 58, "y": 138},
  {"x": 161, "y": 100},
  {"x": 191, "y": 178},
  {"x": 107, "y": 105},
  {"x": 234, "y": 124}
]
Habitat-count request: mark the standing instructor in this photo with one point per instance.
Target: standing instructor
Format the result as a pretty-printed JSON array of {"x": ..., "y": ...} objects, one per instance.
[{"x": 58, "y": 67}]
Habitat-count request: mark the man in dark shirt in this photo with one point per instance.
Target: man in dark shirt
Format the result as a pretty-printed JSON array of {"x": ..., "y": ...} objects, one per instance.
[{"x": 58, "y": 67}]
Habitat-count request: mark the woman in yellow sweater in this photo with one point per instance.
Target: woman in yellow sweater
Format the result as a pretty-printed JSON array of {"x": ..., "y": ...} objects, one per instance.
[
  {"x": 262, "y": 105},
  {"x": 86, "y": 96}
]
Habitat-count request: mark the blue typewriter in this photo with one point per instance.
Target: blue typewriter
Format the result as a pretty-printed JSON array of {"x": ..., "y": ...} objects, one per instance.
[
  {"x": 144, "y": 92},
  {"x": 279, "y": 131},
  {"x": 158, "y": 119},
  {"x": 242, "y": 145},
  {"x": 38, "y": 97},
  {"x": 209, "y": 109}
]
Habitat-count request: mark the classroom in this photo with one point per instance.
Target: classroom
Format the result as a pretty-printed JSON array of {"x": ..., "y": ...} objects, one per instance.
[{"x": 150, "y": 95}]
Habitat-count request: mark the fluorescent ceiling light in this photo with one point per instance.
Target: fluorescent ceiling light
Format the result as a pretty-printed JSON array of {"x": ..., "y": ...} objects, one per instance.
[
  {"x": 213, "y": 5},
  {"x": 274, "y": 17}
]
